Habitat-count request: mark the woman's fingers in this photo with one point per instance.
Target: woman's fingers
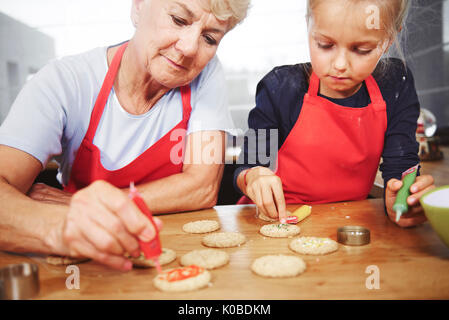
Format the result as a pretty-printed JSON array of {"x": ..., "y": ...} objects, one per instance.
[
  {"x": 115, "y": 227},
  {"x": 103, "y": 223},
  {"x": 120, "y": 204}
]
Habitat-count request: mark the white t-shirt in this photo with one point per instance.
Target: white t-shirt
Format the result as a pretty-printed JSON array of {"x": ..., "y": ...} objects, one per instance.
[{"x": 51, "y": 114}]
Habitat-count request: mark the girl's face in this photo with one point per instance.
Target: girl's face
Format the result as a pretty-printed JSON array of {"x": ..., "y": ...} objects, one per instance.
[
  {"x": 345, "y": 46},
  {"x": 175, "y": 39}
]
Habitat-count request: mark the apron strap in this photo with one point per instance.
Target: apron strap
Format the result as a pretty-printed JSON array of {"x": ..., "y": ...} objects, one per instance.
[
  {"x": 314, "y": 85},
  {"x": 186, "y": 104},
  {"x": 104, "y": 92},
  {"x": 375, "y": 95}
]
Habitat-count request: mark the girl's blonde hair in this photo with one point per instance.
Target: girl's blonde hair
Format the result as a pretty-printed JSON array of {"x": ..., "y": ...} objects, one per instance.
[
  {"x": 393, "y": 12},
  {"x": 233, "y": 10}
]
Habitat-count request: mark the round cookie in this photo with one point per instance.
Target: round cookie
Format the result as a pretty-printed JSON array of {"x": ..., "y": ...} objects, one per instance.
[
  {"x": 279, "y": 230},
  {"x": 278, "y": 266},
  {"x": 313, "y": 245},
  {"x": 224, "y": 239},
  {"x": 206, "y": 258},
  {"x": 165, "y": 281},
  {"x": 64, "y": 260},
  {"x": 167, "y": 256},
  {"x": 201, "y": 226}
]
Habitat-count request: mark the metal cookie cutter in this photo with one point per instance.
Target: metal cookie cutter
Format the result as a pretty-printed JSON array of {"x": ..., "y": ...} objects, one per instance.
[
  {"x": 353, "y": 235},
  {"x": 19, "y": 281}
]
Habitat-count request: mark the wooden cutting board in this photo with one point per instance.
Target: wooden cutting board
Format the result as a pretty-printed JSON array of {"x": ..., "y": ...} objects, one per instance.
[{"x": 412, "y": 263}]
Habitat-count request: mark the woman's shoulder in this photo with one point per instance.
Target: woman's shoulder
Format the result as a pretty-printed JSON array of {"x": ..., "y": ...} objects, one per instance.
[
  {"x": 88, "y": 63},
  {"x": 287, "y": 79}
]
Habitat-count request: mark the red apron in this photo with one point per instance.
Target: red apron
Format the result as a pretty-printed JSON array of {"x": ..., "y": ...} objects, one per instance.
[
  {"x": 332, "y": 153},
  {"x": 151, "y": 165}
]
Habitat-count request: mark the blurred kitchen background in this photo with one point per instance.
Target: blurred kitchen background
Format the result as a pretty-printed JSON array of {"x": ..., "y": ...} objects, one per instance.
[{"x": 32, "y": 32}]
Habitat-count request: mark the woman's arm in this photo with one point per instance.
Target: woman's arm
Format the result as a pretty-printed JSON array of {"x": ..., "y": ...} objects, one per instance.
[
  {"x": 101, "y": 222},
  {"x": 197, "y": 186},
  {"x": 24, "y": 223}
]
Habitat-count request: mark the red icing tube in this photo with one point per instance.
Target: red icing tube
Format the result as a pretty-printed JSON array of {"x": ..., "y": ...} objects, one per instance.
[{"x": 152, "y": 249}]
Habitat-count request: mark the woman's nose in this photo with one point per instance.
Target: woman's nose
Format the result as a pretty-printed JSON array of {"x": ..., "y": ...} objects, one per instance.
[{"x": 187, "y": 43}]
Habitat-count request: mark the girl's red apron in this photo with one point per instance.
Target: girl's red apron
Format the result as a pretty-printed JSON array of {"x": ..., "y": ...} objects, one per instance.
[
  {"x": 151, "y": 165},
  {"x": 332, "y": 153}
]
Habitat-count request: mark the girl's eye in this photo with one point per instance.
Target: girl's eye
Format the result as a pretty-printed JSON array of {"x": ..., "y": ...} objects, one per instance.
[
  {"x": 363, "y": 51},
  {"x": 179, "y": 21},
  {"x": 324, "y": 45},
  {"x": 210, "y": 40}
]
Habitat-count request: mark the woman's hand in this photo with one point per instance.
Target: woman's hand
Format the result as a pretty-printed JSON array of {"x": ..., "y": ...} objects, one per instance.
[
  {"x": 103, "y": 224},
  {"x": 44, "y": 193},
  {"x": 415, "y": 214},
  {"x": 264, "y": 188}
]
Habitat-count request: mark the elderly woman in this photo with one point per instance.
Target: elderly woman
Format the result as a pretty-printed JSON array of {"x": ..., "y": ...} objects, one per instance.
[{"x": 113, "y": 115}]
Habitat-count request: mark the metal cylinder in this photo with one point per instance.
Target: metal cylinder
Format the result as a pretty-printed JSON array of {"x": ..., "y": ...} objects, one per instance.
[{"x": 19, "y": 281}]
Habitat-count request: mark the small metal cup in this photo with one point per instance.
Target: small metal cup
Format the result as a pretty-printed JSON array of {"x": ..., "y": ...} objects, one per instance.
[
  {"x": 353, "y": 235},
  {"x": 19, "y": 281}
]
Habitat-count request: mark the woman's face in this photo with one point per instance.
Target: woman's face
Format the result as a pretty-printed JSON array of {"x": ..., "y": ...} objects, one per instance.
[
  {"x": 175, "y": 39},
  {"x": 344, "y": 50}
]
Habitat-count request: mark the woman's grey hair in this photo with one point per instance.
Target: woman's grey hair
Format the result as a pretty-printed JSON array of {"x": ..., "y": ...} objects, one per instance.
[{"x": 233, "y": 10}]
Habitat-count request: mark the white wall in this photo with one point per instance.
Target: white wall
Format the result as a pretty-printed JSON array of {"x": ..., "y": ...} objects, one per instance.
[{"x": 25, "y": 47}]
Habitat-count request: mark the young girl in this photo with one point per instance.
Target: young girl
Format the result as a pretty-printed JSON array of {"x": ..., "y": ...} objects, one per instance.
[{"x": 338, "y": 115}]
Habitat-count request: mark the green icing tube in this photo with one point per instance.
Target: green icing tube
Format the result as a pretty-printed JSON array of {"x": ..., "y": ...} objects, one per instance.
[{"x": 400, "y": 205}]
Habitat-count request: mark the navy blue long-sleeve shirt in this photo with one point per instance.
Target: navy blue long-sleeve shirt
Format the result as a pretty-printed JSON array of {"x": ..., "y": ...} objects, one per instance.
[{"x": 279, "y": 99}]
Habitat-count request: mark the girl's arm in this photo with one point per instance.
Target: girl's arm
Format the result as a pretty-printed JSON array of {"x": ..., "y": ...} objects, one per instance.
[{"x": 401, "y": 148}]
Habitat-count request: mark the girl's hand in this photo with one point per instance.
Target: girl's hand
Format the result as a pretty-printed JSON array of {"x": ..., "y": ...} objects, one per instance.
[
  {"x": 415, "y": 214},
  {"x": 103, "y": 224},
  {"x": 42, "y": 192},
  {"x": 264, "y": 188}
]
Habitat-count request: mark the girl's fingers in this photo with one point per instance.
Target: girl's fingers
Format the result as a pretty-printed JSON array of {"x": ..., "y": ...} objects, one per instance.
[
  {"x": 422, "y": 182},
  {"x": 258, "y": 201},
  {"x": 393, "y": 185},
  {"x": 412, "y": 221},
  {"x": 413, "y": 199},
  {"x": 280, "y": 201},
  {"x": 268, "y": 202}
]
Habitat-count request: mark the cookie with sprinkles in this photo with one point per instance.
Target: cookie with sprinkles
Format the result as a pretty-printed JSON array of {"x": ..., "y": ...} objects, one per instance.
[
  {"x": 280, "y": 230},
  {"x": 313, "y": 245},
  {"x": 182, "y": 279}
]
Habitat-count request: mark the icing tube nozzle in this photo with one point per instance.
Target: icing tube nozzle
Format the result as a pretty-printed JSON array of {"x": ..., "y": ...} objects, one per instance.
[
  {"x": 152, "y": 249},
  {"x": 400, "y": 205}
]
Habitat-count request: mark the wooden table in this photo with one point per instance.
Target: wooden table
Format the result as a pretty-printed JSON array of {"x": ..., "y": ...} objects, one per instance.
[{"x": 413, "y": 263}]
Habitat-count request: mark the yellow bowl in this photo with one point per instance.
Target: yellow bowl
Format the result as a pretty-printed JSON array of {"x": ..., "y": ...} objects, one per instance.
[{"x": 436, "y": 208}]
